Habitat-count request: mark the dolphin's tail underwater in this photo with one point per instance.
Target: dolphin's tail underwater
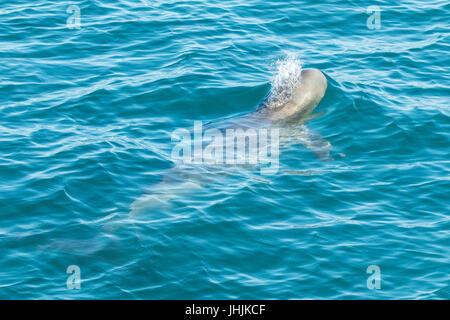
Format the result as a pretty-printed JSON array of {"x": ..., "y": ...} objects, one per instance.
[{"x": 178, "y": 183}]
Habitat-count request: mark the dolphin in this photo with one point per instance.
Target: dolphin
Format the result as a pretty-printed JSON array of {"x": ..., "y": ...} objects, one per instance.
[{"x": 285, "y": 107}]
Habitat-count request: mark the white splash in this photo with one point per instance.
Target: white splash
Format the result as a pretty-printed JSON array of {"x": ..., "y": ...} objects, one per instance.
[{"x": 286, "y": 79}]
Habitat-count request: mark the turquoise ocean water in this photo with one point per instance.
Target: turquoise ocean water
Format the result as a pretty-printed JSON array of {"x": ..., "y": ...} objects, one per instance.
[{"x": 87, "y": 111}]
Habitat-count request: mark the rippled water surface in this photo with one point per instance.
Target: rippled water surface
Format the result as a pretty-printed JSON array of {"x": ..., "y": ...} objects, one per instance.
[{"x": 86, "y": 121}]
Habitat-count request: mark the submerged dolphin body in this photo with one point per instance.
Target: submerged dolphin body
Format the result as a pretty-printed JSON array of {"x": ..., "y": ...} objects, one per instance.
[{"x": 283, "y": 108}]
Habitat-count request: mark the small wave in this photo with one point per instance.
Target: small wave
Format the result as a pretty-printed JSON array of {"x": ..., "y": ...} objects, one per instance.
[{"x": 285, "y": 80}]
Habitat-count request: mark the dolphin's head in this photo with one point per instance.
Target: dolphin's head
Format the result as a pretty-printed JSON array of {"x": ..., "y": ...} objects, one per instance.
[{"x": 304, "y": 98}]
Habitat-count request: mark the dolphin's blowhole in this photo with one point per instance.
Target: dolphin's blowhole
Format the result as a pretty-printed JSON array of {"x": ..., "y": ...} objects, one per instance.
[{"x": 303, "y": 100}]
